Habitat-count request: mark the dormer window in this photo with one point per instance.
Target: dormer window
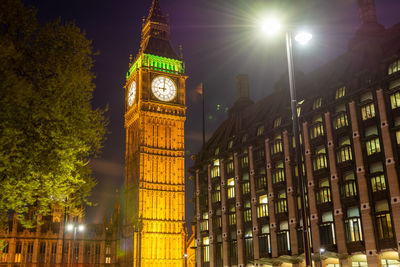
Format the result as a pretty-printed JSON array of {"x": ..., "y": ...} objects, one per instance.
[
  {"x": 394, "y": 67},
  {"x": 260, "y": 130},
  {"x": 244, "y": 139},
  {"x": 340, "y": 92},
  {"x": 277, "y": 122},
  {"x": 317, "y": 103}
]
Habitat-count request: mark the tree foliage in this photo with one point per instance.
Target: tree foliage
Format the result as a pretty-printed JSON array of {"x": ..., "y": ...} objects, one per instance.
[{"x": 48, "y": 128}]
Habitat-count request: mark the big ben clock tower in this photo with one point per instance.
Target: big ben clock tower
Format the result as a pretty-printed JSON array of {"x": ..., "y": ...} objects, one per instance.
[{"x": 154, "y": 122}]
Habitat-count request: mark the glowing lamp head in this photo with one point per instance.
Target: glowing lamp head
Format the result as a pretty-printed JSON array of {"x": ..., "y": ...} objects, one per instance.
[
  {"x": 303, "y": 37},
  {"x": 271, "y": 26},
  {"x": 81, "y": 228},
  {"x": 70, "y": 227},
  {"x": 321, "y": 250}
]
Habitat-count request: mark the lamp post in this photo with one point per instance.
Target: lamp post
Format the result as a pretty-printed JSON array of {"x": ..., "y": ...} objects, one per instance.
[
  {"x": 272, "y": 26},
  {"x": 74, "y": 228}
]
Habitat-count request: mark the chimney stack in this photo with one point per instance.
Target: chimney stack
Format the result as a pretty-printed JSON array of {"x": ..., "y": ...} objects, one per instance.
[
  {"x": 367, "y": 11},
  {"x": 243, "y": 85}
]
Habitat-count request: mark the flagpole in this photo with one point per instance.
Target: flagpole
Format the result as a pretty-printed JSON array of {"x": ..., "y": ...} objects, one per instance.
[{"x": 204, "y": 117}]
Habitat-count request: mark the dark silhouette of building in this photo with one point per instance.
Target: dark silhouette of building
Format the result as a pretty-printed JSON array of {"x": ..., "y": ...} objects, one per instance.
[{"x": 247, "y": 198}]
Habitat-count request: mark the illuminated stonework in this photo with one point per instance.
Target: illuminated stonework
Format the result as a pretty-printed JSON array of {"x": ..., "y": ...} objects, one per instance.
[{"x": 155, "y": 178}]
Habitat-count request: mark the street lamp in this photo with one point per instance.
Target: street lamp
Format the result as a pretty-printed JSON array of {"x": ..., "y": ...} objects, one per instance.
[
  {"x": 271, "y": 26},
  {"x": 74, "y": 228}
]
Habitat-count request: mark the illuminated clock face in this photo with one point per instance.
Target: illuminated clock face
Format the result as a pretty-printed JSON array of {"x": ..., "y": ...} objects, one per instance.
[
  {"x": 163, "y": 88},
  {"x": 131, "y": 93}
]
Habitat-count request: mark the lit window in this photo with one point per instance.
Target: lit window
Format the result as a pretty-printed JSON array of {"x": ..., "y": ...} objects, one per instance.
[
  {"x": 277, "y": 145},
  {"x": 344, "y": 150},
  {"x": 394, "y": 67},
  {"x": 246, "y": 188},
  {"x": 216, "y": 151},
  {"x": 340, "y": 92},
  {"x": 278, "y": 174},
  {"x": 317, "y": 103},
  {"x": 4, "y": 254},
  {"x": 395, "y": 100},
  {"x": 231, "y": 188},
  {"x": 230, "y": 144},
  {"x": 206, "y": 249},
  {"x": 373, "y": 146},
  {"x": 229, "y": 167},
  {"x": 320, "y": 161},
  {"x": 383, "y": 220},
  {"x": 324, "y": 192},
  {"x": 368, "y": 111},
  {"x": 215, "y": 170},
  {"x": 108, "y": 259},
  {"x": 260, "y": 130},
  {"x": 299, "y": 107},
  {"x": 277, "y": 122},
  {"x": 353, "y": 225}
]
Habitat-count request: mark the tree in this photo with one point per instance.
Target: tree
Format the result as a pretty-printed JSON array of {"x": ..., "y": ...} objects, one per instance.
[{"x": 48, "y": 128}]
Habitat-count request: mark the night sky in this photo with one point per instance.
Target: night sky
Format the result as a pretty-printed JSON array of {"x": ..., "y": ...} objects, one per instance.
[{"x": 219, "y": 41}]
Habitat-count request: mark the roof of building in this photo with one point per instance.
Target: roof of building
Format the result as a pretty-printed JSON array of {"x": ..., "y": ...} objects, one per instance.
[{"x": 369, "y": 53}]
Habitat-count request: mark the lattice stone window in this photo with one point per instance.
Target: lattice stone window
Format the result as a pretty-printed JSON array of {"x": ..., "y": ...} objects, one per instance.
[
  {"x": 317, "y": 103},
  {"x": 340, "y": 92},
  {"x": 395, "y": 100},
  {"x": 394, "y": 67}
]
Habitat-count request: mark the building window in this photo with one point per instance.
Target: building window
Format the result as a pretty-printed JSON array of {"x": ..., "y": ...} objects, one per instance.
[
  {"x": 281, "y": 203},
  {"x": 216, "y": 153},
  {"x": 87, "y": 252},
  {"x": 324, "y": 192},
  {"x": 261, "y": 181},
  {"x": 260, "y": 130},
  {"x": 97, "y": 254},
  {"x": 283, "y": 238},
  {"x": 265, "y": 241},
  {"x": 216, "y": 195},
  {"x": 244, "y": 161},
  {"x": 42, "y": 252},
  {"x": 53, "y": 254},
  {"x": 317, "y": 103},
  {"x": 383, "y": 220},
  {"x": 204, "y": 222},
  {"x": 108, "y": 260},
  {"x": 248, "y": 238},
  {"x": 18, "y": 251},
  {"x": 277, "y": 122},
  {"x": 378, "y": 181},
  {"x": 353, "y": 225},
  {"x": 327, "y": 229},
  {"x": 340, "y": 92},
  {"x": 372, "y": 144},
  {"x": 277, "y": 145},
  {"x": 4, "y": 254},
  {"x": 246, "y": 188},
  {"x": 229, "y": 167},
  {"x": 340, "y": 119},
  {"x": 278, "y": 174},
  {"x": 215, "y": 170},
  {"x": 395, "y": 100},
  {"x": 231, "y": 188},
  {"x": 368, "y": 111},
  {"x": 232, "y": 216},
  {"x": 394, "y": 67},
  {"x": 262, "y": 209},
  {"x": 349, "y": 187},
  {"x": 247, "y": 211},
  {"x": 344, "y": 150},
  {"x": 259, "y": 154},
  {"x": 244, "y": 139},
  {"x": 316, "y": 128},
  {"x": 206, "y": 249},
  {"x": 29, "y": 251},
  {"x": 320, "y": 161},
  {"x": 230, "y": 144}
]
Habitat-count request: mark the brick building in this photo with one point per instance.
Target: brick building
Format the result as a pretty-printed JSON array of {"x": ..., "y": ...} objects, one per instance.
[{"x": 246, "y": 189}]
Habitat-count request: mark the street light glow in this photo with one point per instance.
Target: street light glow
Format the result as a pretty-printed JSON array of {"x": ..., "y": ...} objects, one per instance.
[
  {"x": 303, "y": 37},
  {"x": 70, "y": 227},
  {"x": 81, "y": 228},
  {"x": 321, "y": 250},
  {"x": 271, "y": 26}
]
